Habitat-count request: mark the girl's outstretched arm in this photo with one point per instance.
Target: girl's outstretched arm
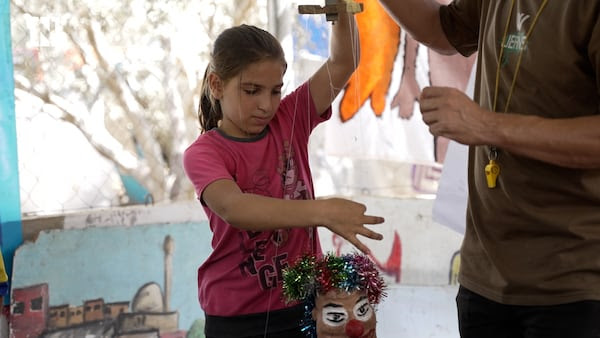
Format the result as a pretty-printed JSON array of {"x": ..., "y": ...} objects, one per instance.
[
  {"x": 343, "y": 59},
  {"x": 258, "y": 213}
]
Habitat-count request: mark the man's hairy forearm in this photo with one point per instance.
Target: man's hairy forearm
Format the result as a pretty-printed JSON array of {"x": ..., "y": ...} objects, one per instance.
[{"x": 571, "y": 142}]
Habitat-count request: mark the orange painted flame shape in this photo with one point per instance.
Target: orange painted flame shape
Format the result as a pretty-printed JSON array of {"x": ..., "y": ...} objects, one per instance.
[{"x": 379, "y": 41}]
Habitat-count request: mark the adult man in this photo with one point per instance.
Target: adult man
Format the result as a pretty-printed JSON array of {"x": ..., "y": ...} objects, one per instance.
[{"x": 530, "y": 263}]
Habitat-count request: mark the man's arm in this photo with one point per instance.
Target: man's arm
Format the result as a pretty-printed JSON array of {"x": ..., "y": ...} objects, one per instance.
[
  {"x": 420, "y": 19},
  {"x": 568, "y": 142},
  {"x": 343, "y": 60},
  {"x": 258, "y": 213}
]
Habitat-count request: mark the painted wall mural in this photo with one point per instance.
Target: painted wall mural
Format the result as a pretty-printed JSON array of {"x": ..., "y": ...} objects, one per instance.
[
  {"x": 146, "y": 315},
  {"x": 377, "y": 115},
  {"x": 110, "y": 282},
  {"x": 115, "y": 280}
]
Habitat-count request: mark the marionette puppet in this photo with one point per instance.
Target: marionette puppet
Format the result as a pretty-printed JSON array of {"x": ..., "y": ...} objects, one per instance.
[{"x": 340, "y": 292}]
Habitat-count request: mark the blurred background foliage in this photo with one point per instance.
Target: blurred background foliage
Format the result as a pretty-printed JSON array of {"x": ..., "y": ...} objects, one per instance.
[{"x": 106, "y": 96}]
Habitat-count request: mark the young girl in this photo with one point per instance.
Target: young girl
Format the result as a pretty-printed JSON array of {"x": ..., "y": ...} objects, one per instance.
[{"x": 251, "y": 173}]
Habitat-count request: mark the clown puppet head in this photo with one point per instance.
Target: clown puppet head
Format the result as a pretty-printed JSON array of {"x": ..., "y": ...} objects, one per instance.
[{"x": 340, "y": 293}]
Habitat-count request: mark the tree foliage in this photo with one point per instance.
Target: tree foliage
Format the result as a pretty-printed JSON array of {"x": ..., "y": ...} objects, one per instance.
[{"x": 126, "y": 74}]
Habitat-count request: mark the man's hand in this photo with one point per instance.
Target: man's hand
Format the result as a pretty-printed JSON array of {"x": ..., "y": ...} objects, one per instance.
[{"x": 450, "y": 113}]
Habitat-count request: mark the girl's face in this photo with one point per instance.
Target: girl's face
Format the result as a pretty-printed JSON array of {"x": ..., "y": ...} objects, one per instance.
[
  {"x": 341, "y": 314},
  {"x": 250, "y": 99}
]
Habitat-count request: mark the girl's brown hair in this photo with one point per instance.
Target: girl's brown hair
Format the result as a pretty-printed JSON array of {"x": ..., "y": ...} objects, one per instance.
[{"x": 234, "y": 49}]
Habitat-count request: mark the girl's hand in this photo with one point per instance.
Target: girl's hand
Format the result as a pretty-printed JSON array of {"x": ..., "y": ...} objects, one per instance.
[{"x": 347, "y": 219}]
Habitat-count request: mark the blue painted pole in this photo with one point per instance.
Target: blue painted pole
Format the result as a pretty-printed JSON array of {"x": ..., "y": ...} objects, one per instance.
[{"x": 11, "y": 233}]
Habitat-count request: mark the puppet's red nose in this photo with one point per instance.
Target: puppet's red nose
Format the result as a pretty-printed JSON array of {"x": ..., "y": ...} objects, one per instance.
[{"x": 354, "y": 328}]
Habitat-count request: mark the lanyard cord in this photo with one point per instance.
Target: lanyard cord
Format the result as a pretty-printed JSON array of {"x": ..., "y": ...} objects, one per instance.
[
  {"x": 514, "y": 80},
  {"x": 493, "y": 152}
]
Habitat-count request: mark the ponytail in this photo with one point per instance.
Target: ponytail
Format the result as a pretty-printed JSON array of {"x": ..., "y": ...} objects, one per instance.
[{"x": 209, "y": 109}]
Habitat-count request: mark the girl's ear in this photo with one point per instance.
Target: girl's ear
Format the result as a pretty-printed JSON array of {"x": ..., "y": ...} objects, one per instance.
[{"x": 216, "y": 86}]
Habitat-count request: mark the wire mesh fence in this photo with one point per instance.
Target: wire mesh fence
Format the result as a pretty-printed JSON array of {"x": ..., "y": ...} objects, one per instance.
[{"x": 105, "y": 97}]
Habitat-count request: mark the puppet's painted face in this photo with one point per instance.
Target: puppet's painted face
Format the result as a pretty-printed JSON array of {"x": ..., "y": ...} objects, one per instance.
[{"x": 341, "y": 314}]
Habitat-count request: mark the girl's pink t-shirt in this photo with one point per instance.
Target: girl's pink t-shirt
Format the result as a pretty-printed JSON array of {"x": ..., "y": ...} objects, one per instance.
[{"x": 243, "y": 274}]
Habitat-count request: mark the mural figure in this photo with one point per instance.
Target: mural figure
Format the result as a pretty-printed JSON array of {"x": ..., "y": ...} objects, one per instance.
[{"x": 373, "y": 77}]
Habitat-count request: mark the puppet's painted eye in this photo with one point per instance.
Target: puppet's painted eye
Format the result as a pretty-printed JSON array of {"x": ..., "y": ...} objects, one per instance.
[
  {"x": 334, "y": 316},
  {"x": 363, "y": 311}
]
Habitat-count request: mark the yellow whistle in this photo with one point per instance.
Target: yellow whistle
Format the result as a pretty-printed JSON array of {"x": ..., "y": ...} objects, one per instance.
[{"x": 492, "y": 170}]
